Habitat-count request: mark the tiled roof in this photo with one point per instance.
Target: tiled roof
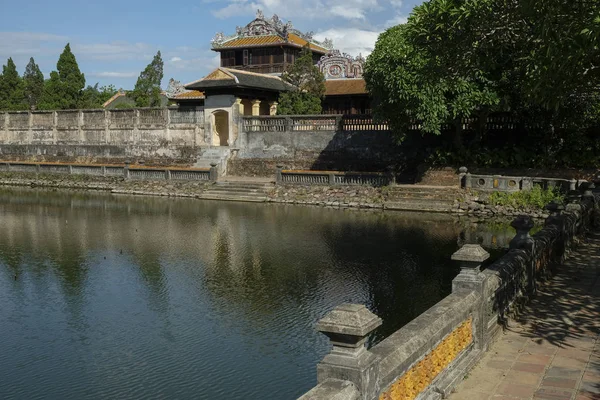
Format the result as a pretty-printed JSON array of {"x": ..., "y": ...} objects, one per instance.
[
  {"x": 256, "y": 41},
  {"x": 234, "y": 78},
  {"x": 190, "y": 95},
  {"x": 340, "y": 87},
  {"x": 113, "y": 98}
]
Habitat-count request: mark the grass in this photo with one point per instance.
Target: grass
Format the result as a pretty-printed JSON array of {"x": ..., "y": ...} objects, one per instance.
[{"x": 534, "y": 198}]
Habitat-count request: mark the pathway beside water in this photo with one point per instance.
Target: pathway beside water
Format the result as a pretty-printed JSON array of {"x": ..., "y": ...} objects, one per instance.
[{"x": 553, "y": 350}]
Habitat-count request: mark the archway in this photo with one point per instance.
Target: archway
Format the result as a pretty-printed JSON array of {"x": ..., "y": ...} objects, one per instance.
[{"x": 221, "y": 128}]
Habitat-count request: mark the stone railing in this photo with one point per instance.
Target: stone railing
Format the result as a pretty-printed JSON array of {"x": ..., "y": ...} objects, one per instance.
[
  {"x": 429, "y": 356},
  {"x": 500, "y": 183},
  {"x": 351, "y": 123},
  {"x": 292, "y": 177},
  {"x": 125, "y": 171},
  {"x": 292, "y": 123},
  {"x": 113, "y": 126}
]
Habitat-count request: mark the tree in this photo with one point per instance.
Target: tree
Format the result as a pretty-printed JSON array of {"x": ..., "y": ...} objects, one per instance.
[
  {"x": 147, "y": 88},
  {"x": 95, "y": 97},
  {"x": 11, "y": 88},
  {"x": 33, "y": 83},
  {"x": 64, "y": 88},
  {"x": 307, "y": 87},
  {"x": 456, "y": 59}
]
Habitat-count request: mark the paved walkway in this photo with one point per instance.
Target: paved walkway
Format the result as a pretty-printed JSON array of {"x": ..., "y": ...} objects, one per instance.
[{"x": 553, "y": 350}]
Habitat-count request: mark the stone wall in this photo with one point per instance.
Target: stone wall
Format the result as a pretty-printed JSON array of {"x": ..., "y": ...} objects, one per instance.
[
  {"x": 158, "y": 136},
  {"x": 429, "y": 356},
  {"x": 321, "y": 145}
]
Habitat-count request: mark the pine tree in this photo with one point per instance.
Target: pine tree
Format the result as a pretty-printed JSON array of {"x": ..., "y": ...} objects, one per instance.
[
  {"x": 64, "y": 88},
  {"x": 147, "y": 88},
  {"x": 11, "y": 88},
  {"x": 308, "y": 87},
  {"x": 33, "y": 84}
]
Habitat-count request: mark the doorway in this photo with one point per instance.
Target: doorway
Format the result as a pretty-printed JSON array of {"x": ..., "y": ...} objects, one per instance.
[{"x": 221, "y": 128}]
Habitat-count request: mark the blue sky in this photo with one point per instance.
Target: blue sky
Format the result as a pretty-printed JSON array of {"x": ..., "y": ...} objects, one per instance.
[{"x": 114, "y": 40}]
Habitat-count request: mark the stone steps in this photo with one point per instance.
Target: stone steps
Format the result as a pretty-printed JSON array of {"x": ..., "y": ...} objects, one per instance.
[
  {"x": 237, "y": 191},
  {"x": 419, "y": 205}
]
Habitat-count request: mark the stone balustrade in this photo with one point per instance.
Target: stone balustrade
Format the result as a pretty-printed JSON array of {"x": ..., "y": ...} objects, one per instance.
[
  {"x": 125, "y": 171},
  {"x": 500, "y": 183},
  {"x": 331, "y": 178},
  {"x": 429, "y": 356}
]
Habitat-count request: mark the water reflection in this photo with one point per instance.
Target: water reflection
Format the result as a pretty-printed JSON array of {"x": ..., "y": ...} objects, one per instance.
[{"x": 122, "y": 297}]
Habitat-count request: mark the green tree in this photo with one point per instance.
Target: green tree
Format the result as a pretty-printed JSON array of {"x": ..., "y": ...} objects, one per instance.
[
  {"x": 456, "y": 59},
  {"x": 33, "y": 83},
  {"x": 64, "y": 88},
  {"x": 146, "y": 92},
  {"x": 95, "y": 97},
  {"x": 307, "y": 87},
  {"x": 11, "y": 88}
]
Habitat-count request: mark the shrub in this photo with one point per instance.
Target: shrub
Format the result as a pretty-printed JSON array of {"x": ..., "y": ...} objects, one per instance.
[{"x": 534, "y": 198}]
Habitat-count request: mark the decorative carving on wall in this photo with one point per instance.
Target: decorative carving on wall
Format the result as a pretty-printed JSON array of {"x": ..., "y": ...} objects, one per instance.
[
  {"x": 415, "y": 380},
  {"x": 341, "y": 65}
]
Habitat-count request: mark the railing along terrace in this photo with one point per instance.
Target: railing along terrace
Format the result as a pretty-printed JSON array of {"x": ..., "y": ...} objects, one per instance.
[
  {"x": 292, "y": 177},
  {"x": 295, "y": 123},
  {"x": 502, "y": 183},
  {"x": 430, "y": 355},
  {"x": 126, "y": 171},
  {"x": 148, "y": 118},
  {"x": 358, "y": 122}
]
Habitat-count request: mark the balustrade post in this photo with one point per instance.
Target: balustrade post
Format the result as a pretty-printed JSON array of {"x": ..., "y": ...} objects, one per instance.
[
  {"x": 331, "y": 179},
  {"x": 574, "y": 199},
  {"x": 462, "y": 173},
  {"x": 103, "y": 169},
  {"x": 468, "y": 181},
  {"x": 214, "y": 172},
  {"x": 70, "y": 170},
  {"x": 572, "y": 184},
  {"x": 588, "y": 194},
  {"x": 126, "y": 171},
  {"x": 348, "y": 326},
  {"x": 471, "y": 258},
  {"x": 168, "y": 174},
  {"x": 523, "y": 241},
  {"x": 279, "y": 174}
]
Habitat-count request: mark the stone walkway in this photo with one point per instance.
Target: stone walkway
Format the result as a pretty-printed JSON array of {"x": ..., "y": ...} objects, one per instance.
[{"x": 553, "y": 350}]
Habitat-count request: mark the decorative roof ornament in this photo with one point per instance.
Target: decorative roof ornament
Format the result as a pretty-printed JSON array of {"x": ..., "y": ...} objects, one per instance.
[
  {"x": 218, "y": 38},
  {"x": 259, "y": 14},
  {"x": 174, "y": 88},
  {"x": 328, "y": 44},
  {"x": 337, "y": 65}
]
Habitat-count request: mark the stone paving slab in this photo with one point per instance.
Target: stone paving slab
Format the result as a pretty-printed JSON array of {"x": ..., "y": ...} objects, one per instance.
[{"x": 552, "y": 351}]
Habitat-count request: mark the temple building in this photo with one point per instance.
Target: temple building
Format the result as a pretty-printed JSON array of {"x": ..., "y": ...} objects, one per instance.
[{"x": 255, "y": 56}]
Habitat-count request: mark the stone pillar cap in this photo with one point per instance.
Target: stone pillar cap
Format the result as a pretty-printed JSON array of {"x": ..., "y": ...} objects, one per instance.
[
  {"x": 471, "y": 253},
  {"x": 523, "y": 222},
  {"x": 349, "y": 319}
]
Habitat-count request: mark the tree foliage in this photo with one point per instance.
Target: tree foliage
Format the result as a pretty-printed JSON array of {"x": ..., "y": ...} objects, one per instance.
[
  {"x": 11, "y": 88},
  {"x": 455, "y": 59},
  {"x": 33, "y": 84},
  {"x": 64, "y": 88},
  {"x": 147, "y": 88},
  {"x": 95, "y": 97},
  {"x": 307, "y": 87}
]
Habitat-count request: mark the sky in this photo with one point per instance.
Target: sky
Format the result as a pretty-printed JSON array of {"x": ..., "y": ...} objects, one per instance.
[{"x": 114, "y": 40}]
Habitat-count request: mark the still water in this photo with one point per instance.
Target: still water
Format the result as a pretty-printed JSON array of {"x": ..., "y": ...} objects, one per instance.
[{"x": 115, "y": 297}]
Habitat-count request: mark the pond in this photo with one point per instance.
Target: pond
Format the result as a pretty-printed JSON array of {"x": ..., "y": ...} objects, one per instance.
[{"x": 106, "y": 296}]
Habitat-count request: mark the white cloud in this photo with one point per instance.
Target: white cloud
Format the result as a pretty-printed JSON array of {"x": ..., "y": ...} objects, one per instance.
[
  {"x": 301, "y": 9},
  {"x": 30, "y": 44},
  {"x": 115, "y": 51},
  {"x": 114, "y": 74},
  {"x": 175, "y": 59},
  {"x": 397, "y": 20},
  {"x": 351, "y": 40}
]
